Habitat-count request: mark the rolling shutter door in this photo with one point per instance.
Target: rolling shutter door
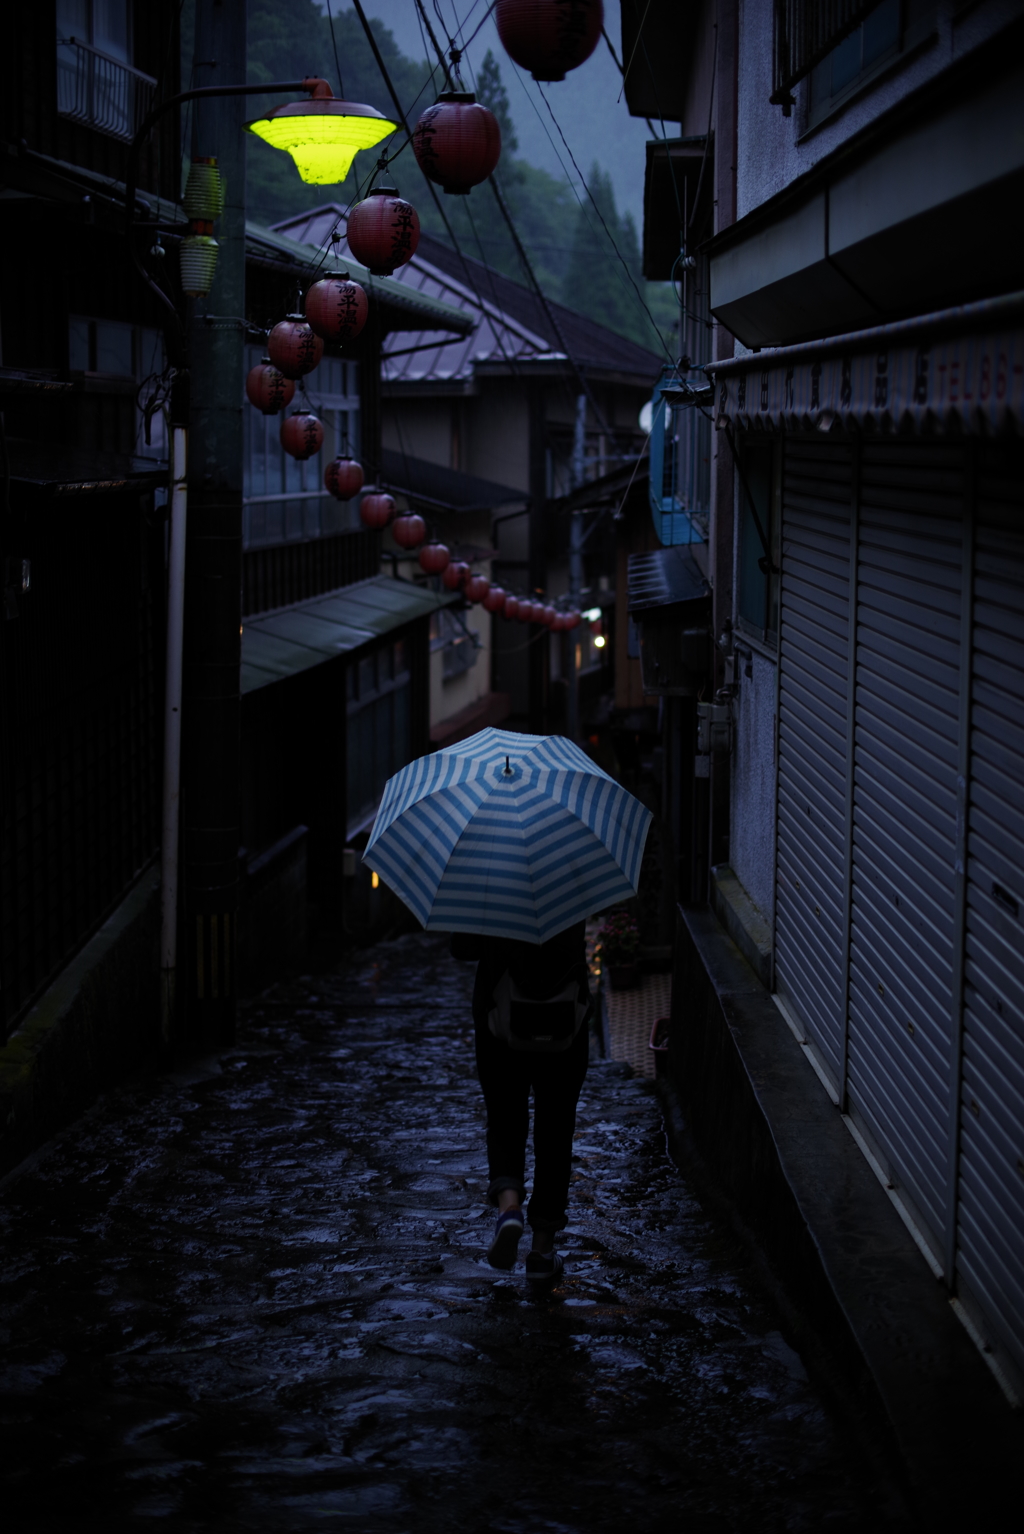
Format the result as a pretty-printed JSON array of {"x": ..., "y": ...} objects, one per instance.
[
  {"x": 906, "y": 761},
  {"x": 990, "y": 1259},
  {"x": 813, "y": 679}
]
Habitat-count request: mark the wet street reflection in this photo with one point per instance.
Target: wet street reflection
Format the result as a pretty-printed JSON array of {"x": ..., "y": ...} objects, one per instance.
[{"x": 252, "y": 1296}]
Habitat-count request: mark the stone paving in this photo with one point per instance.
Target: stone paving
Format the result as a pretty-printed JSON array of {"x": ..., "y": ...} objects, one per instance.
[{"x": 252, "y": 1296}]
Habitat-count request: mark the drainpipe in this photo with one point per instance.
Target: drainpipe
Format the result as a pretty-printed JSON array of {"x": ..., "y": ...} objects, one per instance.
[
  {"x": 575, "y": 567},
  {"x": 172, "y": 733}
]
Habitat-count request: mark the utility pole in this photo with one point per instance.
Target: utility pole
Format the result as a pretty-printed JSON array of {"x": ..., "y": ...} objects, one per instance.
[
  {"x": 575, "y": 568},
  {"x": 211, "y": 702}
]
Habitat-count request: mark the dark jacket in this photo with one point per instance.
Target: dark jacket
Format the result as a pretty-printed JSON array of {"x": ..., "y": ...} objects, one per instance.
[{"x": 539, "y": 970}]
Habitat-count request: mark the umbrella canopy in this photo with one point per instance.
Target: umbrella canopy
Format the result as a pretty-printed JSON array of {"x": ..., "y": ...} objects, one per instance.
[{"x": 512, "y": 835}]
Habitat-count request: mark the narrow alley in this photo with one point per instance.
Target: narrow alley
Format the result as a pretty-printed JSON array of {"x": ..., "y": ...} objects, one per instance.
[{"x": 252, "y": 1296}]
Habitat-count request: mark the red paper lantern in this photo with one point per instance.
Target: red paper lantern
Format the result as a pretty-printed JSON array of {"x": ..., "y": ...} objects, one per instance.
[
  {"x": 434, "y": 558},
  {"x": 268, "y": 389},
  {"x": 376, "y": 509},
  {"x": 548, "y": 615},
  {"x": 294, "y": 346},
  {"x": 409, "y": 531},
  {"x": 524, "y": 610},
  {"x": 337, "y": 308},
  {"x": 457, "y": 142},
  {"x": 455, "y": 574},
  {"x": 301, "y": 434},
  {"x": 548, "y": 37},
  {"x": 477, "y": 588},
  {"x": 573, "y": 619},
  {"x": 511, "y": 608},
  {"x": 383, "y": 231},
  {"x": 494, "y": 601},
  {"x": 343, "y": 477}
]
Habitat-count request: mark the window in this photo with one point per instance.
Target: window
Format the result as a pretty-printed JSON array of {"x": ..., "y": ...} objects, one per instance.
[
  {"x": 377, "y": 692},
  {"x": 459, "y": 644},
  {"x": 284, "y": 500},
  {"x": 891, "y": 28},
  {"x": 96, "y": 82},
  {"x": 118, "y": 351},
  {"x": 757, "y": 584}
]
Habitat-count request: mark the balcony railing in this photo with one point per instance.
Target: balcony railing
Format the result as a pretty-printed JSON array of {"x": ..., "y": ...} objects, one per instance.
[
  {"x": 805, "y": 31},
  {"x": 99, "y": 91}
]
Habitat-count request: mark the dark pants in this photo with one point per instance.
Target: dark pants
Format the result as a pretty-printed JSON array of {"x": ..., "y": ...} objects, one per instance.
[{"x": 506, "y": 1076}]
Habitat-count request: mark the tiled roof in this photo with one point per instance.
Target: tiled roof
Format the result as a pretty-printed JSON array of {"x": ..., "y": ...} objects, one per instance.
[{"x": 513, "y": 326}]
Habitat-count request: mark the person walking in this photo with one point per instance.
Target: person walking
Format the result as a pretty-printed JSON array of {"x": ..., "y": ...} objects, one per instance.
[
  {"x": 531, "y": 1013},
  {"x": 510, "y": 842}
]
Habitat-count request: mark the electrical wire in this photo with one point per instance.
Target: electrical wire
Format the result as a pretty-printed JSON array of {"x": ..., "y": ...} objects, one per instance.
[
  {"x": 604, "y": 226},
  {"x": 334, "y": 42}
]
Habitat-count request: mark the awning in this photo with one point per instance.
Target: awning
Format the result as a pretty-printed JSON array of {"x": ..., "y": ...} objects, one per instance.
[
  {"x": 433, "y": 487},
  {"x": 666, "y": 578},
  {"x": 53, "y": 468},
  {"x": 281, "y": 644},
  {"x": 959, "y": 368}
]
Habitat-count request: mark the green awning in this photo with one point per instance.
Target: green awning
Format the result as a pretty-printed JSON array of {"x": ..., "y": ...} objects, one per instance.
[{"x": 280, "y": 644}]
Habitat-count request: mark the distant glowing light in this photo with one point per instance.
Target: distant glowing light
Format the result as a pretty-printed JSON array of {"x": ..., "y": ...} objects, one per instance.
[
  {"x": 374, "y": 881},
  {"x": 591, "y": 615},
  {"x": 599, "y": 641}
]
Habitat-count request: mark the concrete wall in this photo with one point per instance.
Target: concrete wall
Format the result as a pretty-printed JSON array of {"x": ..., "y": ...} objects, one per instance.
[
  {"x": 773, "y": 150},
  {"x": 752, "y": 798}
]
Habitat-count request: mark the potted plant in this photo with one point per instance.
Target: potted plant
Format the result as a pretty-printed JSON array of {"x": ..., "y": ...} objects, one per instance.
[{"x": 620, "y": 941}]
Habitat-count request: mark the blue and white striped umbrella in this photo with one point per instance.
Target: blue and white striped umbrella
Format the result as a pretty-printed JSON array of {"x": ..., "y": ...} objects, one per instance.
[{"x": 513, "y": 835}]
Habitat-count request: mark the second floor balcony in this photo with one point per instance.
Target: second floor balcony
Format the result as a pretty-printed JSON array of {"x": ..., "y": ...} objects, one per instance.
[{"x": 100, "y": 91}]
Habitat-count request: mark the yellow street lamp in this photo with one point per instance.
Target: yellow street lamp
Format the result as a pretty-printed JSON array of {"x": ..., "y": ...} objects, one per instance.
[{"x": 322, "y": 135}]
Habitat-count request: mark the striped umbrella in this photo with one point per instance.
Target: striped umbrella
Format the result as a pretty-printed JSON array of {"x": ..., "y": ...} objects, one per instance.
[{"x": 512, "y": 835}]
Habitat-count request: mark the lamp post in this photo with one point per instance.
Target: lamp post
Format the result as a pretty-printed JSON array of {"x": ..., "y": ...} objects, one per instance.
[{"x": 200, "y": 820}]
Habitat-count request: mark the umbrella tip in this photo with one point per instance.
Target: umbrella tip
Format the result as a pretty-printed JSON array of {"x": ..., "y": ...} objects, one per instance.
[{"x": 508, "y": 770}]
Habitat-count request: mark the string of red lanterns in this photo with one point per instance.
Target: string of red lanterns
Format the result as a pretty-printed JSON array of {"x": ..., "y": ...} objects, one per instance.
[
  {"x": 457, "y": 142},
  {"x": 549, "y": 37}
]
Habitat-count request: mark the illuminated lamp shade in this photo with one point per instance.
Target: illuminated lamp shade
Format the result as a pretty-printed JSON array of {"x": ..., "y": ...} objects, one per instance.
[
  {"x": 494, "y": 601},
  {"x": 455, "y": 574},
  {"x": 301, "y": 434},
  {"x": 198, "y": 259},
  {"x": 294, "y": 346},
  {"x": 549, "y": 37},
  {"x": 336, "y": 308},
  {"x": 477, "y": 588},
  {"x": 343, "y": 477},
  {"x": 268, "y": 389},
  {"x": 322, "y": 135},
  {"x": 203, "y": 197},
  {"x": 457, "y": 142},
  {"x": 383, "y": 231},
  {"x": 376, "y": 509},
  {"x": 433, "y": 558},
  {"x": 409, "y": 531},
  {"x": 511, "y": 607}
]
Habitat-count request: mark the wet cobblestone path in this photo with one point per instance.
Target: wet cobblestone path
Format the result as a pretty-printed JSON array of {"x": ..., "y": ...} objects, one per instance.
[{"x": 253, "y": 1297}]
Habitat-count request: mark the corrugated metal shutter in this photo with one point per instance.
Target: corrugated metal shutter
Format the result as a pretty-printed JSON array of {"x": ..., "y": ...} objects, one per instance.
[
  {"x": 907, "y": 720},
  {"x": 813, "y": 659},
  {"x": 990, "y": 1259}
]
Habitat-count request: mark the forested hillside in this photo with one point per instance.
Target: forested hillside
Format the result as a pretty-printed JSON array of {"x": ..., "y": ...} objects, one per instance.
[{"x": 573, "y": 256}]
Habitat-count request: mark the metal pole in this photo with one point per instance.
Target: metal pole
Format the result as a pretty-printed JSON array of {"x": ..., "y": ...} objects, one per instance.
[
  {"x": 575, "y": 568},
  {"x": 172, "y": 732},
  {"x": 211, "y": 750}
]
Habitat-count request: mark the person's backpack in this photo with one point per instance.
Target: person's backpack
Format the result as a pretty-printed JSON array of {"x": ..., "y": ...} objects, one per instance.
[{"x": 542, "y": 1026}]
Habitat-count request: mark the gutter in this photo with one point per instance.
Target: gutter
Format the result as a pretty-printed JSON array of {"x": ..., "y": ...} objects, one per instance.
[{"x": 989, "y": 313}]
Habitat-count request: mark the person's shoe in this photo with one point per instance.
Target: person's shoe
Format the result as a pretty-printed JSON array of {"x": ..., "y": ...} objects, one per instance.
[
  {"x": 547, "y": 1265},
  {"x": 507, "y": 1235}
]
